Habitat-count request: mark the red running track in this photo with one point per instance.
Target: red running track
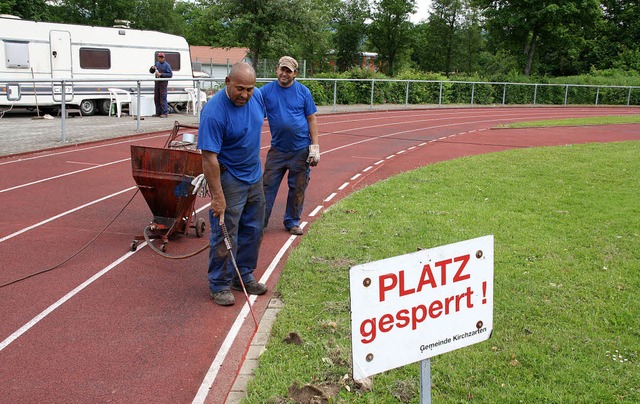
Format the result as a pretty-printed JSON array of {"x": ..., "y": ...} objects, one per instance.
[{"x": 120, "y": 326}]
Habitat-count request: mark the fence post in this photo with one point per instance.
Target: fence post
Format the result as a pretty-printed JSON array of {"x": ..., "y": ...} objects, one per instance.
[
  {"x": 440, "y": 96},
  {"x": 335, "y": 94},
  {"x": 139, "y": 105},
  {"x": 629, "y": 97},
  {"x": 535, "y": 94},
  {"x": 372, "y": 87},
  {"x": 406, "y": 97},
  {"x": 597, "y": 95},
  {"x": 566, "y": 95},
  {"x": 473, "y": 91},
  {"x": 63, "y": 112},
  {"x": 504, "y": 93}
]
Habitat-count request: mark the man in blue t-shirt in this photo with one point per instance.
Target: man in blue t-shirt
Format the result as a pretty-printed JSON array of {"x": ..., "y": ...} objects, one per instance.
[
  {"x": 229, "y": 136},
  {"x": 294, "y": 141}
]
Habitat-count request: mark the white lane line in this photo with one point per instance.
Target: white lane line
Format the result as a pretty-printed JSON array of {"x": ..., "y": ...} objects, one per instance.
[
  {"x": 65, "y": 298},
  {"x": 82, "y": 149},
  {"x": 367, "y": 169},
  {"x": 330, "y": 197},
  {"x": 63, "y": 175},
  {"x": 355, "y": 177},
  {"x": 52, "y": 218},
  {"x": 316, "y": 210},
  {"x": 212, "y": 373},
  {"x": 343, "y": 186}
]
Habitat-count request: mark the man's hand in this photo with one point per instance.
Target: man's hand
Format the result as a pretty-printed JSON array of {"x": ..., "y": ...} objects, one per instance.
[
  {"x": 314, "y": 155},
  {"x": 218, "y": 205}
]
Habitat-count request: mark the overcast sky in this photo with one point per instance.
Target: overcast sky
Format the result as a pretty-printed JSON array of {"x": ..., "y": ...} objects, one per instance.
[{"x": 423, "y": 11}]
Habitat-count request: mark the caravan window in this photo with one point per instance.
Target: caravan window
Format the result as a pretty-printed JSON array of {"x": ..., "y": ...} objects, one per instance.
[
  {"x": 94, "y": 58},
  {"x": 173, "y": 58},
  {"x": 17, "y": 54}
]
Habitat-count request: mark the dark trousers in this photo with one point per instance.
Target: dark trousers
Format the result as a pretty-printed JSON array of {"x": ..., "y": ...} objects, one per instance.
[
  {"x": 244, "y": 219},
  {"x": 160, "y": 98},
  {"x": 278, "y": 163}
]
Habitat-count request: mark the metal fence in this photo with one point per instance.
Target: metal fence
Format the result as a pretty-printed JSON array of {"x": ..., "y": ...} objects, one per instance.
[{"x": 407, "y": 93}]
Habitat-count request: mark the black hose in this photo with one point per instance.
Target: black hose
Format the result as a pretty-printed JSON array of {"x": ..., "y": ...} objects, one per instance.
[{"x": 173, "y": 257}]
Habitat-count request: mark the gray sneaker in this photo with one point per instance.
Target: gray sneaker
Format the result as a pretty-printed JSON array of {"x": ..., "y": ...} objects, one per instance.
[
  {"x": 253, "y": 287},
  {"x": 296, "y": 231},
  {"x": 224, "y": 298}
]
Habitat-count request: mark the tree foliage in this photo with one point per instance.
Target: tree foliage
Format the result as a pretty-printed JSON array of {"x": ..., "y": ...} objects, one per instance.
[
  {"x": 350, "y": 31},
  {"x": 389, "y": 31},
  {"x": 497, "y": 38},
  {"x": 533, "y": 27}
]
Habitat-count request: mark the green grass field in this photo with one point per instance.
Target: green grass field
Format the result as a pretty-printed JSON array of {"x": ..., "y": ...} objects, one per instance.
[{"x": 566, "y": 222}]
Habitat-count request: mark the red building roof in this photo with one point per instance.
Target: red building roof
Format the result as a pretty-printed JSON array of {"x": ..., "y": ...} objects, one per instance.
[{"x": 217, "y": 56}]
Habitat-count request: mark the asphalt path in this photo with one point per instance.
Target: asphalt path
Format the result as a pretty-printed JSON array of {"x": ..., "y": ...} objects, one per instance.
[{"x": 114, "y": 325}]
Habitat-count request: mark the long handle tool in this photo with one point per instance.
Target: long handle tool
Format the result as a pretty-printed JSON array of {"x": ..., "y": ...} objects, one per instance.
[{"x": 227, "y": 242}]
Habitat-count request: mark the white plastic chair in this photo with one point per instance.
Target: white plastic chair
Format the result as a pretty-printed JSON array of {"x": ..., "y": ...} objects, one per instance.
[
  {"x": 192, "y": 102},
  {"x": 119, "y": 97}
]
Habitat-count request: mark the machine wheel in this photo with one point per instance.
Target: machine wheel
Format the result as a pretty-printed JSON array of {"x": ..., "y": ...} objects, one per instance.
[
  {"x": 88, "y": 107},
  {"x": 134, "y": 245},
  {"x": 201, "y": 227},
  {"x": 163, "y": 248}
]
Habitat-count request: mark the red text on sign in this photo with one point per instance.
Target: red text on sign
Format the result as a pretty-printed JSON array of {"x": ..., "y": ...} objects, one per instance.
[
  {"x": 415, "y": 315},
  {"x": 391, "y": 281}
]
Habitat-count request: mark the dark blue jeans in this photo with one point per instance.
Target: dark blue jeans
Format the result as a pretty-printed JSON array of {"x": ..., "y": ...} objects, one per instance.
[
  {"x": 278, "y": 163},
  {"x": 160, "y": 98},
  {"x": 244, "y": 219}
]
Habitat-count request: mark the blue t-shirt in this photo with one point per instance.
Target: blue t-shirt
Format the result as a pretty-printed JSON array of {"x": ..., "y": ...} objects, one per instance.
[
  {"x": 287, "y": 111},
  {"x": 234, "y": 133},
  {"x": 165, "y": 70}
]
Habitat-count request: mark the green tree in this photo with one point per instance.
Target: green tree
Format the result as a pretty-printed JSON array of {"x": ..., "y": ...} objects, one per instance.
[
  {"x": 527, "y": 25},
  {"x": 350, "y": 31},
  {"x": 36, "y": 10},
  {"x": 94, "y": 12},
  {"x": 275, "y": 27},
  {"x": 389, "y": 31},
  {"x": 206, "y": 24},
  {"x": 158, "y": 15}
]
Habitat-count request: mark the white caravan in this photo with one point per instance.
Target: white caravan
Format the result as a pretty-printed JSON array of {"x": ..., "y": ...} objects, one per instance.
[{"x": 49, "y": 51}]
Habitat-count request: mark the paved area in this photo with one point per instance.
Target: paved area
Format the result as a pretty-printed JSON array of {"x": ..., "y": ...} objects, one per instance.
[{"x": 23, "y": 131}]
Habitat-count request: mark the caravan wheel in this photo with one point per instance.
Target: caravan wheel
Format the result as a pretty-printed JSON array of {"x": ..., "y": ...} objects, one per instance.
[
  {"x": 88, "y": 107},
  {"x": 103, "y": 106}
]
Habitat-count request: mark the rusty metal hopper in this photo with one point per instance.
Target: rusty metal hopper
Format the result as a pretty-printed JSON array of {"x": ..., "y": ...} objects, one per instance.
[{"x": 164, "y": 178}]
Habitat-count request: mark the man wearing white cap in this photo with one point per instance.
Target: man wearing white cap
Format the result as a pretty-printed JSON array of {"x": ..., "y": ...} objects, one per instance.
[{"x": 291, "y": 112}]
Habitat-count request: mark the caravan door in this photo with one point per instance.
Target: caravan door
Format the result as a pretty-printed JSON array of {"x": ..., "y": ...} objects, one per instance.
[{"x": 60, "y": 43}]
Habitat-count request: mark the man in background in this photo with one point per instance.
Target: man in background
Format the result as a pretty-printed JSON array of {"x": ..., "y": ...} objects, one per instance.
[
  {"x": 291, "y": 112},
  {"x": 162, "y": 69}
]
